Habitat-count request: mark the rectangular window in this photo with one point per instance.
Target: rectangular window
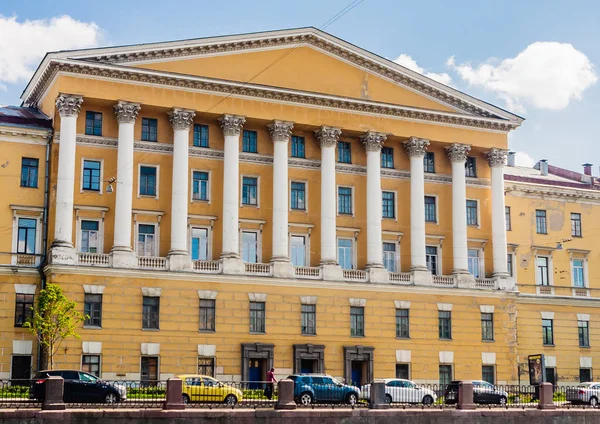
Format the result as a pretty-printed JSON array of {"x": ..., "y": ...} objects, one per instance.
[
  {"x": 471, "y": 167},
  {"x": 583, "y": 329},
  {"x": 199, "y": 244},
  {"x": 150, "y": 312},
  {"x": 576, "y": 224},
  {"x": 509, "y": 264},
  {"x": 488, "y": 373},
  {"x": 26, "y": 233},
  {"x": 578, "y": 274},
  {"x": 89, "y": 236},
  {"x": 29, "y": 172},
  {"x": 298, "y": 196},
  {"x": 250, "y": 247},
  {"x": 543, "y": 277},
  {"x": 445, "y": 375},
  {"x": 93, "y": 123},
  {"x": 149, "y": 371},
  {"x": 585, "y": 375},
  {"x": 547, "y": 332},
  {"x": 357, "y": 321},
  {"x": 344, "y": 152},
  {"x": 430, "y": 209},
  {"x": 344, "y": 200},
  {"x": 257, "y": 317},
  {"x": 431, "y": 258},
  {"x": 445, "y": 324},
  {"x": 298, "y": 147},
  {"x": 200, "y": 185},
  {"x": 207, "y": 315},
  {"x": 23, "y": 309},
  {"x": 298, "y": 250},
  {"x": 389, "y": 204},
  {"x": 389, "y": 257},
  {"x": 200, "y": 135},
  {"x": 147, "y": 180},
  {"x": 206, "y": 366},
  {"x": 487, "y": 326},
  {"x": 474, "y": 263},
  {"x": 472, "y": 212},
  {"x": 250, "y": 191},
  {"x": 507, "y": 218},
  {"x": 540, "y": 222},
  {"x": 402, "y": 324},
  {"x": 149, "y": 129},
  {"x": 91, "y": 364},
  {"x": 429, "y": 162},
  {"x": 403, "y": 371},
  {"x": 91, "y": 175},
  {"x": 309, "y": 319},
  {"x": 387, "y": 157},
  {"x": 146, "y": 240},
  {"x": 92, "y": 307},
  {"x": 249, "y": 141},
  {"x": 345, "y": 254}
]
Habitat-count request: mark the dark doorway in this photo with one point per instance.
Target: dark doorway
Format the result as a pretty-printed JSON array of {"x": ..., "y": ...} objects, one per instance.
[
  {"x": 20, "y": 370},
  {"x": 257, "y": 359},
  {"x": 257, "y": 372},
  {"x": 309, "y": 358},
  {"x": 308, "y": 366},
  {"x": 359, "y": 373},
  {"x": 551, "y": 375},
  {"x": 358, "y": 364}
]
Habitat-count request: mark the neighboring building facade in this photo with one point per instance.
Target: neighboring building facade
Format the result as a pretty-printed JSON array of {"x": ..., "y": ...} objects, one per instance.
[{"x": 215, "y": 206}]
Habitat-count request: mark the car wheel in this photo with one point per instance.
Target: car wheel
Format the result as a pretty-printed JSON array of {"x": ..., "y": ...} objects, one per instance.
[
  {"x": 388, "y": 398},
  {"x": 306, "y": 399},
  {"x": 111, "y": 398},
  {"x": 185, "y": 399},
  {"x": 230, "y": 400},
  {"x": 351, "y": 399},
  {"x": 427, "y": 400},
  {"x": 502, "y": 400},
  {"x": 593, "y": 401}
]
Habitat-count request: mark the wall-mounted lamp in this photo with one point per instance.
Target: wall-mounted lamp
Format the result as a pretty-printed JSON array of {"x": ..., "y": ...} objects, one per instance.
[
  {"x": 109, "y": 187},
  {"x": 559, "y": 245}
]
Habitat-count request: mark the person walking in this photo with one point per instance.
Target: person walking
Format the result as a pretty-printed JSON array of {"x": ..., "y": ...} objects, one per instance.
[{"x": 271, "y": 380}]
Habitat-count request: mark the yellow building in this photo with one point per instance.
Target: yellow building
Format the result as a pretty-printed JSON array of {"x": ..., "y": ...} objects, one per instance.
[{"x": 286, "y": 199}]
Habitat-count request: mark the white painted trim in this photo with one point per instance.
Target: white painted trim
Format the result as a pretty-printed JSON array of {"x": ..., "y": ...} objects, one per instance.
[
  {"x": 403, "y": 357},
  {"x": 257, "y": 297},
  {"x": 306, "y": 237},
  {"x": 207, "y": 294},
  {"x": 584, "y": 262},
  {"x": 208, "y": 188},
  {"x": 81, "y": 189},
  {"x": 242, "y": 205},
  {"x": 585, "y": 362},
  {"x": 488, "y": 358},
  {"x": 361, "y": 303},
  {"x": 437, "y": 209},
  {"x": 258, "y": 233},
  {"x": 79, "y": 232},
  {"x": 446, "y": 358},
  {"x": 547, "y": 315},
  {"x": 397, "y": 256},
  {"x": 93, "y": 289},
  {"x": 15, "y": 233},
  {"x": 444, "y": 307},
  {"x": 156, "y": 236},
  {"x": 25, "y": 288},
  {"x": 22, "y": 347},
  {"x": 308, "y": 300},
  {"x": 151, "y": 291},
  {"x": 91, "y": 348},
  {"x": 150, "y": 349},
  {"x": 402, "y": 304},
  {"x": 486, "y": 309},
  {"x": 438, "y": 249},
  {"x": 139, "y": 178},
  {"x": 337, "y": 249},
  {"x": 477, "y": 201},
  {"x": 209, "y": 239}
]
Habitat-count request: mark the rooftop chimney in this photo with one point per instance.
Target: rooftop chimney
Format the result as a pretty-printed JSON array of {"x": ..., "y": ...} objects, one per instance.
[
  {"x": 544, "y": 167},
  {"x": 587, "y": 169},
  {"x": 511, "y": 158}
]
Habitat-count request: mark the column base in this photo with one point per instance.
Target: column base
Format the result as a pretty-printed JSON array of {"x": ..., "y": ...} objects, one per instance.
[
  {"x": 179, "y": 261},
  {"x": 377, "y": 274},
  {"x": 332, "y": 272},
  {"x": 465, "y": 281},
  {"x": 421, "y": 276},
  {"x": 63, "y": 255},
  {"x": 233, "y": 266},
  {"x": 283, "y": 268},
  {"x": 123, "y": 257}
]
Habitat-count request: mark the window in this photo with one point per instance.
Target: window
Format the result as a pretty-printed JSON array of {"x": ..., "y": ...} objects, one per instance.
[
  {"x": 430, "y": 209},
  {"x": 91, "y": 364},
  {"x": 389, "y": 257},
  {"x": 298, "y": 147},
  {"x": 488, "y": 373},
  {"x": 357, "y": 321},
  {"x": 487, "y": 326},
  {"x": 92, "y": 307},
  {"x": 200, "y": 135},
  {"x": 472, "y": 212},
  {"x": 200, "y": 185},
  {"x": 543, "y": 277},
  {"x": 146, "y": 240},
  {"x": 249, "y": 142},
  {"x": 250, "y": 247},
  {"x": 298, "y": 250},
  {"x": 474, "y": 263},
  {"x": 23, "y": 309},
  {"x": 389, "y": 204},
  {"x": 29, "y": 172},
  {"x": 403, "y": 371},
  {"x": 150, "y": 312},
  {"x": 26, "y": 235},
  {"x": 402, "y": 324},
  {"x": 576, "y": 224},
  {"x": 547, "y": 332},
  {"x": 344, "y": 152},
  {"x": 147, "y": 180},
  {"x": 470, "y": 167},
  {"x": 509, "y": 264},
  {"x": 207, "y": 315},
  {"x": 93, "y": 123},
  {"x": 199, "y": 244},
  {"x": 507, "y": 218},
  {"x": 387, "y": 157},
  {"x": 429, "y": 162},
  {"x": 578, "y": 273},
  {"x": 445, "y": 324},
  {"x": 583, "y": 330},
  {"x": 257, "y": 317},
  {"x": 540, "y": 222},
  {"x": 445, "y": 375},
  {"x": 206, "y": 366},
  {"x": 344, "y": 200},
  {"x": 345, "y": 254},
  {"x": 298, "y": 196},
  {"x": 431, "y": 258},
  {"x": 149, "y": 129},
  {"x": 585, "y": 375},
  {"x": 91, "y": 175},
  {"x": 89, "y": 236},
  {"x": 149, "y": 371},
  {"x": 250, "y": 191},
  {"x": 309, "y": 319}
]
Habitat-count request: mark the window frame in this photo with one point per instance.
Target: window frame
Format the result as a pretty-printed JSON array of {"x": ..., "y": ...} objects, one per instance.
[
  {"x": 357, "y": 326},
  {"x": 351, "y": 200},
  {"x": 291, "y": 198},
  {"x": 83, "y": 189},
  {"x": 305, "y": 319},
  {"x": 493, "y": 373},
  {"x": 89, "y": 323},
  {"x": 18, "y": 228},
  {"x": 258, "y": 234},
  {"x": 193, "y": 199},
  {"x": 149, "y": 137},
  {"x": 394, "y": 204},
  {"x": 437, "y": 261},
  {"x": 480, "y": 261},
  {"x": 352, "y": 246},
  {"x": 487, "y": 327},
  {"x": 583, "y": 273},
  {"x": 576, "y": 227},
  {"x": 436, "y": 209},
  {"x": 25, "y": 308},
  {"x": 507, "y": 218},
  {"x": 294, "y": 145},
  {"x": 396, "y": 255},
  {"x": 149, "y": 357},
  {"x": 538, "y": 281},
  {"x": 339, "y": 152},
  {"x": 472, "y": 168},
  {"x": 477, "y": 223},
  {"x": 80, "y": 230},
  {"x": 208, "y": 230},
  {"x": 29, "y": 167},
  {"x": 585, "y": 335},
  {"x": 539, "y": 227},
  {"x": 389, "y": 154},
  {"x": 212, "y": 365},
  {"x": 156, "y": 237},
  {"x": 94, "y": 120},
  {"x": 441, "y": 320},
  {"x": 249, "y": 144},
  {"x": 448, "y": 367},
  {"x": 306, "y": 238},
  {"x": 400, "y": 334},
  {"x": 157, "y": 176},
  {"x": 429, "y": 159},
  {"x": 149, "y": 320},
  {"x": 250, "y": 205},
  {"x": 89, "y": 371},
  {"x": 262, "y": 328},
  {"x": 210, "y": 310},
  {"x": 591, "y": 376},
  {"x": 545, "y": 332},
  {"x": 199, "y": 133}
]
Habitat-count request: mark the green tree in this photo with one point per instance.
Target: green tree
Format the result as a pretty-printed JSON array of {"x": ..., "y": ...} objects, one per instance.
[{"x": 55, "y": 318}]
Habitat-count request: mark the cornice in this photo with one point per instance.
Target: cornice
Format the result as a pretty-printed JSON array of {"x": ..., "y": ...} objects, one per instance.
[
  {"x": 22, "y": 131},
  {"x": 537, "y": 191}
]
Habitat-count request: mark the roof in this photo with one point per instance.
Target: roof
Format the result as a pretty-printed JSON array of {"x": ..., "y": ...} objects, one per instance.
[
  {"x": 556, "y": 177},
  {"x": 24, "y": 116}
]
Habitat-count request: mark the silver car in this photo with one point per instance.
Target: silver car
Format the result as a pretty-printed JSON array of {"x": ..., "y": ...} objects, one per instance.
[
  {"x": 584, "y": 393},
  {"x": 398, "y": 390}
]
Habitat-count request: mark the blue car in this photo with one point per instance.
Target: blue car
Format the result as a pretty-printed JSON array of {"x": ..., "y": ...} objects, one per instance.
[{"x": 322, "y": 388}]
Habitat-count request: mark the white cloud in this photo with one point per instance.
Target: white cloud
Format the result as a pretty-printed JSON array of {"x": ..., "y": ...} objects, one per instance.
[
  {"x": 524, "y": 159},
  {"x": 23, "y": 44},
  {"x": 546, "y": 75},
  {"x": 408, "y": 62}
]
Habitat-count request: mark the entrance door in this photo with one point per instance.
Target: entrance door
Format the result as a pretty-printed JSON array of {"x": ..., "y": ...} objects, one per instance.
[
  {"x": 256, "y": 373},
  {"x": 357, "y": 373},
  {"x": 308, "y": 366},
  {"x": 20, "y": 370}
]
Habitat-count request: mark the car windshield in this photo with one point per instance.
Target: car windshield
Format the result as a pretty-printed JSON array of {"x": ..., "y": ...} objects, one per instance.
[
  {"x": 87, "y": 378},
  {"x": 585, "y": 385},
  {"x": 334, "y": 381}
]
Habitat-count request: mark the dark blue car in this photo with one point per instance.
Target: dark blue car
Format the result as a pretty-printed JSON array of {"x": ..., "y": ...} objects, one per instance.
[{"x": 322, "y": 388}]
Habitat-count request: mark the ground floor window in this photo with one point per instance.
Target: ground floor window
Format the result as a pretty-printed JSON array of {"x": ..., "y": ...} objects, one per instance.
[
  {"x": 206, "y": 366},
  {"x": 445, "y": 375},
  {"x": 585, "y": 375},
  {"x": 20, "y": 370},
  {"x": 488, "y": 373},
  {"x": 91, "y": 364},
  {"x": 551, "y": 375},
  {"x": 149, "y": 371},
  {"x": 403, "y": 371}
]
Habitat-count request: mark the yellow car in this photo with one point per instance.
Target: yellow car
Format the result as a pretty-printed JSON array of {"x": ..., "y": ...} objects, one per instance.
[{"x": 202, "y": 388}]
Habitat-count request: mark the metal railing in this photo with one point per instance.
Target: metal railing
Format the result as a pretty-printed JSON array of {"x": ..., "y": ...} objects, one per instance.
[
  {"x": 355, "y": 275},
  {"x": 14, "y": 394},
  {"x": 208, "y": 267},
  {"x": 200, "y": 393},
  {"x": 152, "y": 262},
  {"x": 400, "y": 277},
  {"x": 257, "y": 269},
  {"x": 93, "y": 259},
  {"x": 308, "y": 272}
]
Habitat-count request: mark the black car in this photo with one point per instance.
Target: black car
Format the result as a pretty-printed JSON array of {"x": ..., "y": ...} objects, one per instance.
[
  {"x": 483, "y": 392},
  {"x": 79, "y": 386}
]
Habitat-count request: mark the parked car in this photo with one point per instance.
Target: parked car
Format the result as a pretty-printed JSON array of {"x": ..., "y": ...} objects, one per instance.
[
  {"x": 322, "y": 388},
  {"x": 584, "y": 393},
  {"x": 202, "y": 388},
  {"x": 483, "y": 392},
  {"x": 398, "y": 390},
  {"x": 79, "y": 386}
]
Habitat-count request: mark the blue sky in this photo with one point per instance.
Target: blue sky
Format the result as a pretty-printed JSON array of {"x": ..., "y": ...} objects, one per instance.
[{"x": 552, "y": 83}]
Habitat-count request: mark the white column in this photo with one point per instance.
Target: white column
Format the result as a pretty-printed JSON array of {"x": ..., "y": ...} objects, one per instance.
[
  {"x": 497, "y": 159},
  {"x": 62, "y": 247},
  {"x": 126, "y": 114},
  {"x": 416, "y": 147},
  {"x": 457, "y": 153},
  {"x": 181, "y": 120}
]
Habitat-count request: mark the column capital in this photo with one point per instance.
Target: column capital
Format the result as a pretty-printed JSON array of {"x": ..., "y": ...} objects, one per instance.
[
  {"x": 126, "y": 112},
  {"x": 280, "y": 130},
  {"x": 458, "y": 152},
  {"x": 373, "y": 141},
  {"x": 416, "y": 146},
  {"x": 181, "y": 119},
  {"x": 232, "y": 124},
  {"x": 328, "y": 136},
  {"x": 68, "y": 104},
  {"x": 496, "y": 157}
]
